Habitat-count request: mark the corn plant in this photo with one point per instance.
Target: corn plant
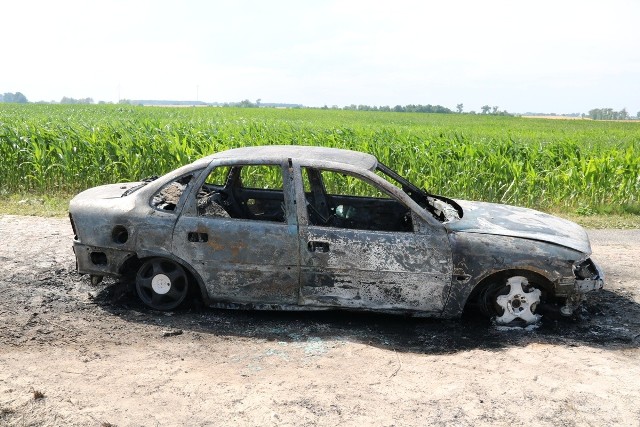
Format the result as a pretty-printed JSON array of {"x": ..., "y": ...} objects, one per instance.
[{"x": 548, "y": 164}]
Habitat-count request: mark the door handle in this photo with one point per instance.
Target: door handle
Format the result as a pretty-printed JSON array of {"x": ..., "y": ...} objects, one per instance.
[
  {"x": 194, "y": 236},
  {"x": 317, "y": 246}
]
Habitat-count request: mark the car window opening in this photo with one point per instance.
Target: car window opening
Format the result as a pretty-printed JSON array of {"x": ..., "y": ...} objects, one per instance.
[
  {"x": 168, "y": 196},
  {"x": 442, "y": 208},
  {"x": 339, "y": 200},
  {"x": 251, "y": 192}
]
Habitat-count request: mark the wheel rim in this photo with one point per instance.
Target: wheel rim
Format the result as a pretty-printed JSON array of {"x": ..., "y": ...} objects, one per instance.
[
  {"x": 161, "y": 284},
  {"x": 518, "y": 303}
]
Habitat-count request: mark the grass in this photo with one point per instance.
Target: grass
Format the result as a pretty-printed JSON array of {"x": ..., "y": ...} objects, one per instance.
[{"x": 56, "y": 205}]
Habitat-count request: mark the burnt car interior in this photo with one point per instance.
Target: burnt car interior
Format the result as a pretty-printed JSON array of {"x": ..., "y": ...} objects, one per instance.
[
  {"x": 338, "y": 200},
  {"x": 245, "y": 192},
  {"x": 334, "y": 199},
  {"x": 168, "y": 196}
]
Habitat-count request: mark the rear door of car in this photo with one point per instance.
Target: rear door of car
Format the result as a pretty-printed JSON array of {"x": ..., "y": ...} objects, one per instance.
[{"x": 249, "y": 255}]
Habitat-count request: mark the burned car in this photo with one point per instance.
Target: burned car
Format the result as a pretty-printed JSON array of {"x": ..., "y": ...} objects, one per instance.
[{"x": 311, "y": 228}]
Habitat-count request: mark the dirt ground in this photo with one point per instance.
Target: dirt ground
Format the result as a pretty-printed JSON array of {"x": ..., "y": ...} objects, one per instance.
[{"x": 99, "y": 358}]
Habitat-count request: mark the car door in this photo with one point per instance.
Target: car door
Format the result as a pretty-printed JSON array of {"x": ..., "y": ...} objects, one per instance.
[
  {"x": 361, "y": 248},
  {"x": 239, "y": 233}
]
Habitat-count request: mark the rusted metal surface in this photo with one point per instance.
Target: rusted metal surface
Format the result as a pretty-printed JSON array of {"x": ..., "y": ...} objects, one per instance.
[
  {"x": 503, "y": 220},
  {"x": 301, "y": 248},
  {"x": 242, "y": 261},
  {"x": 372, "y": 269}
]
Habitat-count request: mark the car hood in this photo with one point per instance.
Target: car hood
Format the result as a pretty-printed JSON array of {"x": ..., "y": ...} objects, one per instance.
[{"x": 504, "y": 220}]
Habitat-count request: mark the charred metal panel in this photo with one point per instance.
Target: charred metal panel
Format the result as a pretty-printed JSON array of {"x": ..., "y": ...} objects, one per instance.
[
  {"x": 110, "y": 260},
  {"x": 96, "y": 211},
  {"x": 114, "y": 218},
  {"x": 380, "y": 290},
  {"x": 275, "y": 153},
  {"x": 269, "y": 284},
  {"x": 504, "y": 220},
  {"x": 242, "y": 260},
  {"x": 153, "y": 235},
  {"x": 374, "y": 269},
  {"x": 476, "y": 256}
]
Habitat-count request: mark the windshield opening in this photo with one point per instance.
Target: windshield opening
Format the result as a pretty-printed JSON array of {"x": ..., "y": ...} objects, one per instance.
[{"x": 442, "y": 208}]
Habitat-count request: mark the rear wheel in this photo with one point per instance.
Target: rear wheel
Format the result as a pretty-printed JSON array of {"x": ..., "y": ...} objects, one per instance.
[
  {"x": 162, "y": 284},
  {"x": 512, "y": 301}
]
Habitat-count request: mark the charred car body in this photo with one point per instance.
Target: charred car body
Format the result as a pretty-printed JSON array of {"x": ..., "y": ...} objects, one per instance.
[{"x": 310, "y": 228}]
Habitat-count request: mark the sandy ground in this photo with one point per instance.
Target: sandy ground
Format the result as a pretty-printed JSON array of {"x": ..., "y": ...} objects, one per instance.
[{"x": 101, "y": 359}]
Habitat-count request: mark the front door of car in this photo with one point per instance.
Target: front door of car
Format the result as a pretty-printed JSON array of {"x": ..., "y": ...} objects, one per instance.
[
  {"x": 360, "y": 248},
  {"x": 239, "y": 232}
]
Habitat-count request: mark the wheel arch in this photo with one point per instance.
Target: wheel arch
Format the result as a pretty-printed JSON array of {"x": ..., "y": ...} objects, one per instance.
[{"x": 132, "y": 264}]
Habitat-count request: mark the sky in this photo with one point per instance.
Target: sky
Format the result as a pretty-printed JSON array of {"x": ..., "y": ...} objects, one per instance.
[{"x": 559, "y": 56}]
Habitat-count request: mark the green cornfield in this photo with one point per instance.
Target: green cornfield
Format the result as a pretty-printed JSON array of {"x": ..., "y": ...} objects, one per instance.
[{"x": 545, "y": 164}]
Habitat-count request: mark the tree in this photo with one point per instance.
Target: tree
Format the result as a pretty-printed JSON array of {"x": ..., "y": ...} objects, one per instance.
[
  {"x": 608, "y": 114},
  {"x": 495, "y": 109},
  {"x": 17, "y": 98},
  {"x": 486, "y": 109},
  {"x": 623, "y": 115},
  {"x": 459, "y": 107},
  {"x": 67, "y": 100},
  {"x": 245, "y": 103}
]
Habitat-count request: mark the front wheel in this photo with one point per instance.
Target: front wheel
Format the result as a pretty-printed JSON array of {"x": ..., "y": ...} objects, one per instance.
[
  {"x": 513, "y": 301},
  {"x": 162, "y": 284}
]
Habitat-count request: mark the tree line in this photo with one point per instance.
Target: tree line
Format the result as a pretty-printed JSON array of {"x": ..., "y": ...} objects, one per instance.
[
  {"x": 409, "y": 108},
  {"x": 418, "y": 108},
  {"x": 19, "y": 98},
  {"x": 610, "y": 114},
  {"x": 595, "y": 114}
]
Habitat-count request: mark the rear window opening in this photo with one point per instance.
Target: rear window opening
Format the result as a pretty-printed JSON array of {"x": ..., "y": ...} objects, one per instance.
[{"x": 169, "y": 195}]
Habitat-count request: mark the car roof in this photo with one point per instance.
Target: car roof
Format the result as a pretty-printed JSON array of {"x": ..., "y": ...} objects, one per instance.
[{"x": 304, "y": 154}]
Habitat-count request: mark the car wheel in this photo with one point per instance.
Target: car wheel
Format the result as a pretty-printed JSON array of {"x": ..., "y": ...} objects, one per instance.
[
  {"x": 512, "y": 301},
  {"x": 162, "y": 284}
]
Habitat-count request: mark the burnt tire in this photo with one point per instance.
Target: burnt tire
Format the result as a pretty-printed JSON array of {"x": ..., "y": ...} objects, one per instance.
[{"x": 162, "y": 284}]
